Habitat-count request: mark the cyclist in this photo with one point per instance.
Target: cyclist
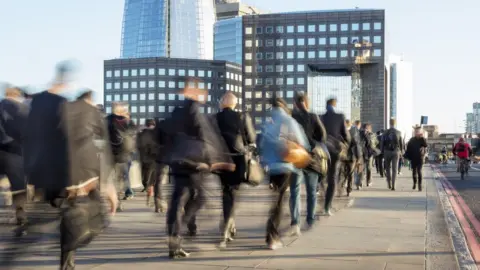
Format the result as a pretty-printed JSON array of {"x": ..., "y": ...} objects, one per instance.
[
  {"x": 444, "y": 158},
  {"x": 462, "y": 150}
]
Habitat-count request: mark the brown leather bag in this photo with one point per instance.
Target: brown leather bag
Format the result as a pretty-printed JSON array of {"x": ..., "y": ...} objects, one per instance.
[{"x": 297, "y": 155}]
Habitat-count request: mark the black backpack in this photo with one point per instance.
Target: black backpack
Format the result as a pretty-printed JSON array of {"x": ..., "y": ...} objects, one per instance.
[{"x": 390, "y": 140}]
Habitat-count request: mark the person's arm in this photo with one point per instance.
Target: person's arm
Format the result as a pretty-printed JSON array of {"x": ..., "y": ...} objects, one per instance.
[
  {"x": 344, "y": 132},
  {"x": 249, "y": 129},
  {"x": 319, "y": 131}
]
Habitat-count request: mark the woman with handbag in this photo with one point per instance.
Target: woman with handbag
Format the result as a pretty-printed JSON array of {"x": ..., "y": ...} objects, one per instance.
[
  {"x": 238, "y": 132},
  {"x": 284, "y": 151}
]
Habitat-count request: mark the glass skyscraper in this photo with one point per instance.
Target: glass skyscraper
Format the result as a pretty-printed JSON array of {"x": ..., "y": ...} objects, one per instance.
[
  {"x": 228, "y": 40},
  {"x": 167, "y": 28}
]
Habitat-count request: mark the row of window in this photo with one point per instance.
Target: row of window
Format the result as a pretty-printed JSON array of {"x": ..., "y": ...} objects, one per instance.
[
  {"x": 311, "y": 54},
  {"x": 171, "y": 72},
  {"x": 311, "y": 28},
  {"x": 170, "y": 84},
  {"x": 151, "y": 96},
  {"x": 276, "y": 68},
  {"x": 268, "y": 94},
  {"x": 278, "y": 81},
  {"x": 151, "y": 109},
  {"x": 312, "y": 41}
]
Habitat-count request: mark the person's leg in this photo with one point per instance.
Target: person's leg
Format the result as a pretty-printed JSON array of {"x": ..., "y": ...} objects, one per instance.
[
  {"x": 350, "y": 172},
  {"x": 173, "y": 220},
  {"x": 12, "y": 166},
  {"x": 368, "y": 169},
  {"x": 331, "y": 180},
  {"x": 388, "y": 168},
  {"x": 162, "y": 173},
  {"x": 395, "y": 157},
  {"x": 197, "y": 201},
  {"x": 282, "y": 181},
  {"x": 311, "y": 181},
  {"x": 360, "y": 173},
  {"x": 295, "y": 203},
  {"x": 126, "y": 177},
  {"x": 420, "y": 176},
  {"x": 414, "y": 175}
]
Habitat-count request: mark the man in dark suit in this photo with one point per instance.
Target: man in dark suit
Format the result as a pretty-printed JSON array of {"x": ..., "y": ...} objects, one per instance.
[{"x": 337, "y": 142}]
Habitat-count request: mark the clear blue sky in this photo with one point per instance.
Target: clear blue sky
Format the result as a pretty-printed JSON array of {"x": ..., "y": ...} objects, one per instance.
[{"x": 440, "y": 37}]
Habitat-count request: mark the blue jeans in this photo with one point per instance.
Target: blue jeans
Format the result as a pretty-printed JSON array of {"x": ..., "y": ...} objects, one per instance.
[{"x": 311, "y": 181}]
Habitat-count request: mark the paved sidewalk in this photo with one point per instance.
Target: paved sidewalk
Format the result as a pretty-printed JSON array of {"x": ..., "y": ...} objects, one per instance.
[{"x": 382, "y": 230}]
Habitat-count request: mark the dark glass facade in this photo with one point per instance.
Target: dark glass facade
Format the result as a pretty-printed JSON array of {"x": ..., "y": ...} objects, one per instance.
[
  {"x": 306, "y": 51},
  {"x": 151, "y": 85}
]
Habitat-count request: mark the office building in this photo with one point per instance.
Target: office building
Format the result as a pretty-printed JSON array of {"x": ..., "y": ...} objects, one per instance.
[
  {"x": 227, "y": 9},
  {"x": 401, "y": 94},
  {"x": 228, "y": 40},
  {"x": 325, "y": 53},
  {"x": 472, "y": 122},
  {"x": 166, "y": 28},
  {"x": 151, "y": 85}
]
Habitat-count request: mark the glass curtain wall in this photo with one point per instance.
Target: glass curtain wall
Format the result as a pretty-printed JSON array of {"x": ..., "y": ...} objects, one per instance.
[
  {"x": 323, "y": 86},
  {"x": 228, "y": 40}
]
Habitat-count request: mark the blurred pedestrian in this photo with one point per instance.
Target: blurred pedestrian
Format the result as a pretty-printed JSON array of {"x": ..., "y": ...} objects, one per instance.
[
  {"x": 147, "y": 149},
  {"x": 392, "y": 148},
  {"x": 415, "y": 153}
]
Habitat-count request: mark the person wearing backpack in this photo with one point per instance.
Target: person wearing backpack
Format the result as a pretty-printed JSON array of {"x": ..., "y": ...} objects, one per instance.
[
  {"x": 369, "y": 144},
  {"x": 392, "y": 147}
]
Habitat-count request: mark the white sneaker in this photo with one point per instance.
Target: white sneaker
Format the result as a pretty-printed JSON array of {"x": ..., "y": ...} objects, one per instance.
[{"x": 295, "y": 231}]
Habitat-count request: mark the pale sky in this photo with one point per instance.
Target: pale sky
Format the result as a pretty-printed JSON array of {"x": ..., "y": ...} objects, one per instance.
[{"x": 439, "y": 37}]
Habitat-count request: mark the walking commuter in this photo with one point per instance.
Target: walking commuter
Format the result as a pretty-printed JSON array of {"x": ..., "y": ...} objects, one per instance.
[
  {"x": 281, "y": 135},
  {"x": 415, "y": 153},
  {"x": 239, "y": 134},
  {"x": 338, "y": 141},
  {"x": 379, "y": 160},
  {"x": 354, "y": 156},
  {"x": 196, "y": 151},
  {"x": 369, "y": 143},
  {"x": 13, "y": 119},
  {"x": 315, "y": 133},
  {"x": 162, "y": 176},
  {"x": 147, "y": 149},
  {"x": 392, "y": 147},
  {"x": 61, "y": 160}
]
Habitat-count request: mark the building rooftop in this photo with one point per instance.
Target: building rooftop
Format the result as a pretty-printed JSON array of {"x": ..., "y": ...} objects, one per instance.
[{"x": 327, "y": 11}]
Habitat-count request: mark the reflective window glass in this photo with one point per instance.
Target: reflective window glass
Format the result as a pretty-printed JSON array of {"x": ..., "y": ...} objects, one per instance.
[
  {"x": 311, "y": 54},
  {"x": 290, "y": 29},
  {"x": 366, "y": 26},
  {"x": 248, "y": 30},
  {"x": 333, "y": 28},
  {"x": 377, "y": 39},
  {"x": 108, "y": 73},
  {"x": 279, "y": 55},
  {"x": 300, "y": 68},
  {"x": 116, "y": 85},
  {"x": 117, "y": 73},
  {"x": 290, "y": 55},
  {"x": 344, "y": 27},
  {"x": 355, "y": 27},
  {"x": 171, "y": 96},
  {"x": 143, "y": 84},
  {"x": 161, "y": 96},
  {"x": 181, "y": 72},
  {"x": 279, "y": 42},
  {"x": 322, "y": 41},
  {"x": 134, "y": 97},
  {"x": 108, "y": 86},
  {"x": 259, "y": 30},
  {"x": 151, "y": 84},
  {"x": 191, "y": 73},
  {"x": 151, "y": 96},
  {"x": 300, "y": 41},
  {"x": 290, "y": 42},
  {"x": 181, "y": 85},
  {"x": 322, "y": 54},
  {"x": 133, "y": 85},
  {"x": 269, "y": 55},
  {"x": 161, "y": 71},
  {"x": 322, "y": 28},
  {"x": 377, "y": 52},
  {"x": 333, "y": 41},
  {"x": 125, "y": 72},
  {"x": 289, "y": 68},
  {"x": 300, "y": 55},
  {"x": 344, "y": 40},
  {"x": 151, "y": 71},
  {"x": 161, "y": 108},
  {"x": 300, "y": 28},
  {"x": 269, "y": 43},
  {"x": 300, "y": 81},
  {"x": 377, "y": 26},
  {"x": 333, "y": 54},
  {"x": 259, "y": 55},
  {"x": 279, "y": 29},
  {"x": 311, "y": 28},
  {"x": 290, "y": 81},
  {"x": 311, "y": 41},
  {"x": 134, "y": 72},
  {"x": 151, "y": 108},
  {"x": 142, "y": 109},
  {"x": 201, "y": 73},
  {"x": 269, "y": 29},
  {"x": 143, "y": 72},
  {"x": 125, "y": 97},
  {"x": 171, "y": 84},
  {"x": 161, "y": 84},
  {"x": 143, "y": 96},
  {"x": 343, "y": 53},
  {"x": 279, "y": 68},
  {"x": 171, "y": 72},
  {"x": 125, "y": 85}
]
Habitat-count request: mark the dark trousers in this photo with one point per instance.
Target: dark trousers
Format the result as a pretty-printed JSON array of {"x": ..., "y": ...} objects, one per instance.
[
  {"x": 348, "y": 170},
  {"x": 161, "y": 176},
  {"x": 229, "y": 192},
  {"x": 417, "y": 174},
  {"x": 332, "y": 175},
  {"x": 196, "y": 199},
  {"x": 282, "y": 182},
  {"x": 11, "y": 165},
  {"x": 149, "y": 171},
  {"x": 379, "y": 163}
]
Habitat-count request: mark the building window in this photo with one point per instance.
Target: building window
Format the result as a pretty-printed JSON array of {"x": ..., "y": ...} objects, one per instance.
[
  {"x": 269, "y": 30},
  {"x": 151, "y": 108},
  {"x": 108, "y": 86},
  {"x": 161, "y": 71},
  {"x": 151, "y": 96},
  {"x": 171, "y": 96},
  {"x": 300, "y": 55},
  {"x": 248, "y": 69},
  {"x": 108, "y": 97},
  {"x": 181, "y": 97},
  {"x": 279, "y": 29},
  {"x": 343, "y": 53},
  {"x": 171, "y": 84},
  {"x": 125, "y": 85},
  {"x": 248, "y": 81},
  {"x": 133, "y": 85},
  {"x": 290, "y": 81},
  {"x": 300, "y": 68},
  {"x": 201, "y": 85},
  {"x": 248, "y": 94},
  {"x": 301, "y": 29},
  {"x": 311, "y": 28},
  {"x": 143, "y": 72},
  {"x": 289, "y": 68},
  {"x": 116, "y": 97},
  {"x": 125, "y": 73},
  {"x": 134, "y": 97},
  {"x": 269, "y": 43},
  {"x": 290, "y": 42},
  {"x": 161, "y": 108},
  {"x": 322, "y": 28},
  {"x": 171, "y": 108},
  {"x": 117, "y": 73},
  {"x": 259, "y": 43},
  {"x": 377, "y": 52},
  {"x": 355, "y": 27},
  {"x": 377, "y": 26},
  {"x": 322, "y": 54},
  {"x": 108, "y": 74},
  {"x": 333, "y": 54},
  {"x": 279, "y": 81},
  {"x": 366, "y": 26},
  {"x": 333, "y": 41},
  {"x": 248, "y": 30},
  {"x": 377, "y": 39},
  {"x": 344, "y": 27},
  {"x": 279, "y": 68},
  {"x": 171, "y": 72},
  {"x": 279, "y": 55},
  {"x": 248, "y": 56},
  {"x": 209, "y": 74},
  {"x": 311, "y": 41},
  {"x": 161, "y": 84},
  {"x": 142, "y": 109},
  {"x": 259, "y": 55},
  {"x": 258, "y": 108},
  {"x": 259, "y": 30},
  {"x": 134, "y": 109},
  {"x": 279, "y": 42},
  {"x": 151, "y": 71},
  {"x": 290, "y": 29},
  {"x": 181, "y": 72},
  {"x": 366, "y": 39},
  {"x": 344, "y": 40},
  {"x": 269, "y": 55},
  {"x": 268, "y": 81},
  {"x": 191, "y": 73},
  {"x": 143, "y": 96},
  {"x": 290, "y": 94},
  {"x": 354, "y": 40},
  {"x": 181, "y": 85},
  {"x": 280, "y": 94},
  {"x": 301, "y": 81},
  {"x": 143, "y": 84},
  {"x": 322, "y": 41},
  {"x": 290, "y": 55},
  {"x": 161, "y": 96},
  {"x": 300, "y": 41},
  {"x": 333, "y": 28},
  {"x": 248, "y": 43},
  {"x": 259, "y": 81},
  {"x": 133, "y": 72},
  {"x": 269, "y": 68},
  {"x": 116, "y": 85},
  {"x": 151, "y": 84}
]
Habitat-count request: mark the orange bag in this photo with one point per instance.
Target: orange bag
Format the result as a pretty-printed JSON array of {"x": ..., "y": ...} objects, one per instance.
[{"x": 297, "y": 155}]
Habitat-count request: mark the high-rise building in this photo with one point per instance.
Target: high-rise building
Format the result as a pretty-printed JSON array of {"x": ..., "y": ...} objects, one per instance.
[
  {"x": 227, "y": 9},
  {"x": 472, "y": 123},
  {"x": 166, "y": 28},
  {"x": 151, "y": 85},
  {"x": 228, "y": 40},
  {"x": 337, "y": 53},
  {"x": 401, "y": 94}
]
